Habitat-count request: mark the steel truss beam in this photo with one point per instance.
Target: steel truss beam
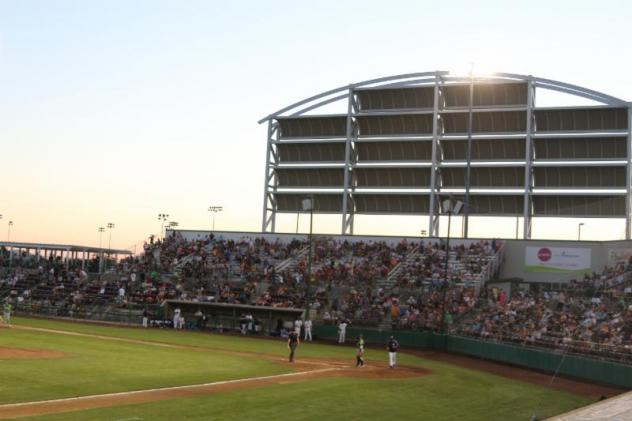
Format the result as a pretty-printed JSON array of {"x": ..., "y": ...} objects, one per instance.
[
  {"x": 528, "y": 168},
  {"x": 628, "y": 174},
  {"x": 436, "y": 80},
  {"x": 347, "y": 210},
  {"x": 433, "y": 210},
  {"x": 268, "y": 223}
]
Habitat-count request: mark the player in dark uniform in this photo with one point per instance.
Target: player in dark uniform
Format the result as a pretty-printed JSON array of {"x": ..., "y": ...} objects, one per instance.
[
  {"x": 392, "y": 347},
  {"x": 292, "y": 343}
]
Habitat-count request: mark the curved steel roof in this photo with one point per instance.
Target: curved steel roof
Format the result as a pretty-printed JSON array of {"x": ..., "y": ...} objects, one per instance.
[{"x": 413, "y": 79}]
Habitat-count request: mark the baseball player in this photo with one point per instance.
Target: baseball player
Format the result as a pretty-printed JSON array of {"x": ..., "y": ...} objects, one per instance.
[
  {"x": 392, "y": 347},
  {"x": 308, "y": 330},
  {"x": 7, "y": 312},
  {"x": 176, "y": 318},
  {"x": 342, "y": 331},
  {"x": 292, "y": 343},
  {"x": 297, "y": 326},
  {"x": 360, "y": 352}
]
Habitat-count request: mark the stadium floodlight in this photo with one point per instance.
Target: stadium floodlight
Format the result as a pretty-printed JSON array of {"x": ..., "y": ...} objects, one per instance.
[
  {"x": 162, "y": 217},
  {"x": 101, "y": 231},
  {"x": 110, "y": 226},
  {"x": 214, "y": 210},
  {"x": 307, "y": 204},
  {"x": 8, "y": 241},
  {"x": 10, "y": 224}
]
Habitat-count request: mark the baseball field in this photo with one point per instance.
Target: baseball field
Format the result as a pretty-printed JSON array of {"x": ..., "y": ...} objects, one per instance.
[{"x": 70, "y": 371}]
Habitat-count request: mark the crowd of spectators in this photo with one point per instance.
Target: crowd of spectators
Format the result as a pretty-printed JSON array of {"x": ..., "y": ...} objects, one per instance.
[
  {"x": 465, "y": 264},
  {"x": 346, "y": 280},
  {"x": 590, "y": 315}
]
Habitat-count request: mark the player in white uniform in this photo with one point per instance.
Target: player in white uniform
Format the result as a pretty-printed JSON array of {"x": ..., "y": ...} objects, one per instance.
[
  {"x": 342, "y": 331},
  {"x": 297, "y": 327},
  {"x": 308, "y": 330},
  {"x": 176, "y": 318}
]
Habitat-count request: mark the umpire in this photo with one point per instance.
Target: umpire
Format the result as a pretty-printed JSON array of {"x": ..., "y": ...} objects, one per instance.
[
  {"x": 392, "y": 346},
  {"x": 292, "y": 343}
]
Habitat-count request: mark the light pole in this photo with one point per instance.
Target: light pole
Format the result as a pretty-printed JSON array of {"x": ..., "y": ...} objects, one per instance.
[
  {"x": 579, "y": 231},
  {"x": 101, "y": 231},
  {"x": 308, "y": 205},
  {"x": 214, "y": 210},
  {"x": 162, "y": 217},
  {"x": 110, "y": 226},
  {"x": 8, "y": 241},
  {"x": 450, "y": 209},
  {"x": 9, "y": 231}
]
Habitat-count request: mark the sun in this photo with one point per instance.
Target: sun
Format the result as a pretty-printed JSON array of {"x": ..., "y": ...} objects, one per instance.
[{"x": 476, "y": 69}]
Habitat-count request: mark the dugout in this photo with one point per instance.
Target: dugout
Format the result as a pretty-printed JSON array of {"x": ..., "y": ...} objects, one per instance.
[{"x": 227, "y": 316}]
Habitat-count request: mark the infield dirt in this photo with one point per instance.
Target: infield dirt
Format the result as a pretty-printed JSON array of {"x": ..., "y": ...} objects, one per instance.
[{"x": 7, "y": 353}]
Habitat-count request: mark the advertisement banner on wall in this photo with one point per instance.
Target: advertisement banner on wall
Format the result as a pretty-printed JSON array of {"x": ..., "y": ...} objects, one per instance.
[
  {"x": 618, "y": 255},
  {"x": 557, "y": 259}
]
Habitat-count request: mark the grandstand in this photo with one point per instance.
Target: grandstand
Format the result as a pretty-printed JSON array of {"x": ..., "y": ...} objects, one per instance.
[
  {"x": 407, "y": 142},
  {"x": 387, "y": 283}
]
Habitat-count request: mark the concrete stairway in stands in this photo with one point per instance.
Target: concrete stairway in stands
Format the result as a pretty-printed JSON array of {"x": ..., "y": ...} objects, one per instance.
[{"x": 391, "y": 279}]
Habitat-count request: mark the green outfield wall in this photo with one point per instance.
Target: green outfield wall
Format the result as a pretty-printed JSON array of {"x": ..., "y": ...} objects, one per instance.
[{"x": 585, "y": 368}]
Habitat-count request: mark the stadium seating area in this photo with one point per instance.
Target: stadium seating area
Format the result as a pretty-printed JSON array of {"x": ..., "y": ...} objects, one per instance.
[
  {"x": 592, "y": 315},
  {"x": 397, "y": 286},
  {"x": 349, "y": 279}
]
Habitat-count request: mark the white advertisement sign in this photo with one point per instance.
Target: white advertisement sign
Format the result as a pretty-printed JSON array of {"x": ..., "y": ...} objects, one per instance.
[
  {"x": 618, "y": 255},
  {"x": 557, "y": 259}
]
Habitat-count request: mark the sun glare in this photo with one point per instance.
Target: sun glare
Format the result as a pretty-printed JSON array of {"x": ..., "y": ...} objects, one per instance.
[{"x": 475, "y": 69}]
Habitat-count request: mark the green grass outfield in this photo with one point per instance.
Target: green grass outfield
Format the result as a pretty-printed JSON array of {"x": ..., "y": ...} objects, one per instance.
[{"x": 95, "y": 366}]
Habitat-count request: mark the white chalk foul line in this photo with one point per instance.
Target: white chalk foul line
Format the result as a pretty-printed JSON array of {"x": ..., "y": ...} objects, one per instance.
[
  {"x": 164, "y": 389},
  {"x": 165, "y": 345},
  {"x": 109, "y": 338}
]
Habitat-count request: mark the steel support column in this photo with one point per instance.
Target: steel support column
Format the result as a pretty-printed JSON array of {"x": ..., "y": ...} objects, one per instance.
[
  {"x": 269, "y": 207},
  {"x": 628, "y": 174},
  {"x": 468, "y": 169},
  {"x": 433, "y": 215},
  {"x": 528, "y": 168},
  {"x": 347, "y": 216}
]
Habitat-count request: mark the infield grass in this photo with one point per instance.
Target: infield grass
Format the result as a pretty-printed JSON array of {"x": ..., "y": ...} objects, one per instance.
[{"x": 93, "y": 366}]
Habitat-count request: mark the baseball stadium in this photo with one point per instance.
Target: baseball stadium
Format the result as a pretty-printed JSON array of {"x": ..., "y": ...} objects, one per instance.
[{"x": 206, "y": 324}]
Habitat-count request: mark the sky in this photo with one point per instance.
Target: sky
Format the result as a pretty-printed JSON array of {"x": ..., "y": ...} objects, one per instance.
[{"x": 115, "y": 111}]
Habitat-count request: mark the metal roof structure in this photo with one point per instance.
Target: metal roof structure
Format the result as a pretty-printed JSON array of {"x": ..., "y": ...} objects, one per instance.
[
  {"x": 62, "y": 247},
  {"x": 409, "y": 141}
]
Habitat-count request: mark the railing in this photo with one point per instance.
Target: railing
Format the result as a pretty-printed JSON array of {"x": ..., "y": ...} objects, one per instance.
[
  {"x": 131, "y": 315},
  {"x": 390, "y": 277},
  {"x": 491, "y": 269},
  {"x": 573, "y": 346}
]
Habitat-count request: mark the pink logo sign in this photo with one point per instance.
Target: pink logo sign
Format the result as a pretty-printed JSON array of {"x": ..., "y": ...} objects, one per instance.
[{"x": 544, "y": 254}]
